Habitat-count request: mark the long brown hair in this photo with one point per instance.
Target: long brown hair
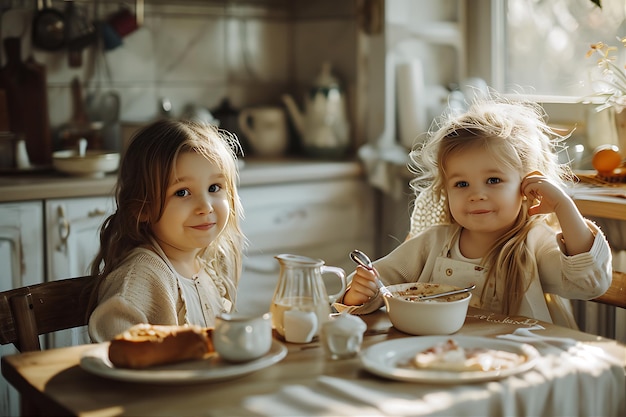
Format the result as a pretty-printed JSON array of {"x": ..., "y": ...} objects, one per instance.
[
  {"x": 143, "y": 178},
  {"x": 516, "y": 135}
]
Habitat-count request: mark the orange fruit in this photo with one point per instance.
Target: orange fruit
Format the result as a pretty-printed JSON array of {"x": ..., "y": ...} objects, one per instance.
[{"x": 606, "y": 158}]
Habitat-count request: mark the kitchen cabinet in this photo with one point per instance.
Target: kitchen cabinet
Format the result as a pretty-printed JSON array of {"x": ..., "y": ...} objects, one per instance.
[
  {"x": 37, "y": 247},
  {"x": 318, "y": 219},
  {"x": 73, "y": 239},
  {"x": 21, "y": 244},
  {"x": 73, "y": 234},
  {"x": 21, "y": 263}
]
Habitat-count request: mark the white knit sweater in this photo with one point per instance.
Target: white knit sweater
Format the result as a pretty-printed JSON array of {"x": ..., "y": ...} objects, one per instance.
[
  {"x": 145, "y": 289},
  {"x": 583, "y": 276}
]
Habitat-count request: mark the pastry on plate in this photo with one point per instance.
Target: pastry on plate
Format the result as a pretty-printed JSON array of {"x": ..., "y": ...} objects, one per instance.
[
  {"x": 145, "y": 345},
  {"x": 450, "y": 356}
]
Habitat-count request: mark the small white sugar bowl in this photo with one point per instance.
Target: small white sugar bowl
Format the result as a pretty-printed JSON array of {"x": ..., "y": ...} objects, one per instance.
[{"x": 342, "y": 335}]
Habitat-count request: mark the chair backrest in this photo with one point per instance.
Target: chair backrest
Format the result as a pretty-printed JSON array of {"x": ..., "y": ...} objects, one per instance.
[
  {"x": 27, "y": 312},
  {"x": 616, "y": 294}
]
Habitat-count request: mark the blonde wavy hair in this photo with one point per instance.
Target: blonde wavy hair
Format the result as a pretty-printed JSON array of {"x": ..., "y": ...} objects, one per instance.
[
  {"x": 143, "y": 178},
  {"x": 517, "y": 135}
]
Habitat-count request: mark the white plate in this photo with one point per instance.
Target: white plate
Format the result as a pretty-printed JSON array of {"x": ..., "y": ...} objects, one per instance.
[
  {"x": 386, "y": 358},
  {"x": 97, "y": 361}
]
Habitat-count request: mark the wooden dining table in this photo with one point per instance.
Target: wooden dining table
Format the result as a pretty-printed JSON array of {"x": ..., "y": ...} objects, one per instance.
[{"x": 585, "y": 379}]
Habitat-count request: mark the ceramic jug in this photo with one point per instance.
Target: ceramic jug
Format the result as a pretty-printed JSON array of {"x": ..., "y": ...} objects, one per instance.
[
  {"x": 266, "y": 130},
  {"x": 301, "y": 304}
]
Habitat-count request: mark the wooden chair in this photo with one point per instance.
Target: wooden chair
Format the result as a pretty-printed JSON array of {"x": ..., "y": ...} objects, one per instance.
[
  {"x": 27, "y": 312},
  {"x": 616, "y": 294}
]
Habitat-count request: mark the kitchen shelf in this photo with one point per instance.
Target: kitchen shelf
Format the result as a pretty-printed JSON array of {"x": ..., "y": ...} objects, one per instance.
[{"x": 445, "y": 33}]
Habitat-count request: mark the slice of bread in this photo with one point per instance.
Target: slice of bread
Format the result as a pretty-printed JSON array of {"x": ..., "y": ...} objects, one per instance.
[{"x": 145, "y": 345}]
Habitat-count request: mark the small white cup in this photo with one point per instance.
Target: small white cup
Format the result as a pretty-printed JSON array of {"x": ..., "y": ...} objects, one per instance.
[
  {"x": 300, "y": 326},
  {"x": 242, "y": 338}
]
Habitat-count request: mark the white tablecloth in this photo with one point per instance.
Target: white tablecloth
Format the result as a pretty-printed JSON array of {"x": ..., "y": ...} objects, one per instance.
[{"x": 568, "y": 380}]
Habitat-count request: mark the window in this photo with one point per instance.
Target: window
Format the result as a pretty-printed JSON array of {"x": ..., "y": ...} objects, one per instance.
[{"x": 545, "y": 42}]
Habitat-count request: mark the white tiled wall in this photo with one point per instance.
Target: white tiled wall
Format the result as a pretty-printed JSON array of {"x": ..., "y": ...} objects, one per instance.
[{"x": 200, "y": 51}]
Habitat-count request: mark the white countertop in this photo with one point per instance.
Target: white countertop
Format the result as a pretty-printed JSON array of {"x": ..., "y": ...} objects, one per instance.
[{"x": 255, "y": 172}]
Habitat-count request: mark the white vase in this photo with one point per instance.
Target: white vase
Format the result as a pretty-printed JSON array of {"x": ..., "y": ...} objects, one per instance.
[{"x": 620, "y": 130}]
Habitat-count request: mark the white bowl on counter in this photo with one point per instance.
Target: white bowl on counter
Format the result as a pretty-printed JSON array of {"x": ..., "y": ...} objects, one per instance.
[
  {"x": 440, "y": 316},
  {"x": 93, "y": 164}
]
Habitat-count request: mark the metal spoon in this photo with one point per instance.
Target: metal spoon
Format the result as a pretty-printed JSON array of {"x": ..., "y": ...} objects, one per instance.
[
  {"x": 443, "y": 294},
  {"x": 363, "y": 260}
]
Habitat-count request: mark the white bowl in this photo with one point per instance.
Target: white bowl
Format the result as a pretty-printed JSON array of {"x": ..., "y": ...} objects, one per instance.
[
  {"x": 94, "y": 164},
  {"x": 440, "y": 316}
]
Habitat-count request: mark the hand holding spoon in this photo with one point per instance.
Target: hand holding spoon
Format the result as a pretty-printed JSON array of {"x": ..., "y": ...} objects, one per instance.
[{"x": 363, "y": 260}]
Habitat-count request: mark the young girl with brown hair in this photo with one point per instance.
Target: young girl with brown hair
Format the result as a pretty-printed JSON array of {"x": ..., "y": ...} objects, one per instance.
[{"x": 171, "y": 252}]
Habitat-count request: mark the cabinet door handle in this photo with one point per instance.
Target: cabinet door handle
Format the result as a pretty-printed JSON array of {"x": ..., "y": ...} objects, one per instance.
[
  {"x": 64, "y": 229},
  {"x": 13, "y": 238},
  {"x": 96, "y": 213}
]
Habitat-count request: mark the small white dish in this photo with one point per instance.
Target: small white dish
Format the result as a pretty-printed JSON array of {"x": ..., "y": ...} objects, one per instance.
[
  {"x": 211, "y": 369},
  {"x": 388, "y": 359}
]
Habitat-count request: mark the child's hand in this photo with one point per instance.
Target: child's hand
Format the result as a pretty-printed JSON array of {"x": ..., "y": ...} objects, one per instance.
[
  {"x": 362, "y": 288},
  {"x": 544, "y": 195},
  {"x": 547, "y": 197}
]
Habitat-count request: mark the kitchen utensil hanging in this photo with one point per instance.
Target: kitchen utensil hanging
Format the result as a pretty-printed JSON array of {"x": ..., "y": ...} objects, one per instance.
[
  {"x": 103, "y": 106},
  {"x": 79, "y": 125},
  {"x": 49, "y": 28},
  {"x": 24, "y": 86},
  {"x": 80, "y": 33},
  {"x": 124, "y": 21}
]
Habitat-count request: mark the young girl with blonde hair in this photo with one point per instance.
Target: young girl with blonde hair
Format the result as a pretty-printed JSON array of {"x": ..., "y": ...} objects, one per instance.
[
  {"x": 507, "y": 225},
  {"x": 171, "y": 253}
]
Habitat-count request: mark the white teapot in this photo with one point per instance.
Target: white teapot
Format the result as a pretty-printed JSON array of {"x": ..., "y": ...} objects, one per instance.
[{"x": 323, "y": 126}]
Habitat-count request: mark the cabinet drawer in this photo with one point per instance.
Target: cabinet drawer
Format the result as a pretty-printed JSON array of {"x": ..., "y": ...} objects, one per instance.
[{"x": 294, "y": 215}]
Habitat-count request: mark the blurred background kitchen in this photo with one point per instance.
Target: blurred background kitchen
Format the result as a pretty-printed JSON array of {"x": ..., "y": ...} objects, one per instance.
[{"x": 327, "y": 97}]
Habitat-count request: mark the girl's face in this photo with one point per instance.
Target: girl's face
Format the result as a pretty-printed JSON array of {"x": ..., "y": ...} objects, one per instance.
[
  {"x": 484, "y": 196},
  {"x": 196, "y": 206}
]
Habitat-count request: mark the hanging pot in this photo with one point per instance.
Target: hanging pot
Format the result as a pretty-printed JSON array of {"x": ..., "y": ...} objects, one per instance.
[{"x": 48, "y": 27}]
